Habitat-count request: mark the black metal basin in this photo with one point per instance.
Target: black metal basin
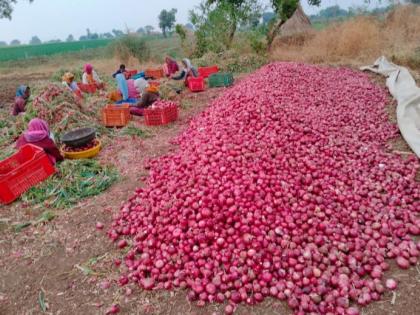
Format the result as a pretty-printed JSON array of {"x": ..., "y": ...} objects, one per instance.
[{"x": 78, "y": 137}]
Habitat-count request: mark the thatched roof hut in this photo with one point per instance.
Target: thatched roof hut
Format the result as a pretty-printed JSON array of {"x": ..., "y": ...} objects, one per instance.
[{"x": 298, "y": 23}]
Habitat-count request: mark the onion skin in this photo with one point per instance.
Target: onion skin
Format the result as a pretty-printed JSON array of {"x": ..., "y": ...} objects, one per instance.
[{"x": 283, "y": 187}]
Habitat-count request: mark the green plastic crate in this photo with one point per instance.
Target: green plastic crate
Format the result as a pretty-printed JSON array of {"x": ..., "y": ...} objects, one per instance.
[{"x": 220, "y": 79}]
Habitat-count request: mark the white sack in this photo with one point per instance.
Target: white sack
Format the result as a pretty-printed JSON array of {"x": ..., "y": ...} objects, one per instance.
[{"x": 403, "y": 88}]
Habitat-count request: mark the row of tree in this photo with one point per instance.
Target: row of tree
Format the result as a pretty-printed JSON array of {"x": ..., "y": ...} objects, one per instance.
[
  {"x": 115, "y": 33},
  {"x": 166, "y": 24},
  {"x": 336, "y": 12}
]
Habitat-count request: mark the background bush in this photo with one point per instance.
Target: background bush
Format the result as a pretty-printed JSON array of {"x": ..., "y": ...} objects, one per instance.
[{"x": 131, "y": 45}]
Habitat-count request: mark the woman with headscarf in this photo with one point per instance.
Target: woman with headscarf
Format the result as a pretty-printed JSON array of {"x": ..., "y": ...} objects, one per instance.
[
  {"x": 188, "y": 71},
  {"x": 150, "y": 95},
  {"x": 170, "y": 67},
  {"x": 22, "y": 95},
  {"x": 68, "y": 81},
  {"x": 38, "y": 134},
  {"x": 91, "y": 77}
]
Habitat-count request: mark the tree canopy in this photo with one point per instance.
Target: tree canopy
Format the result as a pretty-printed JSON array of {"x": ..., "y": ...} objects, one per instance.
[
  {"x": 117, "y": 33},
  {"x": 35, "y": 40},
  {"x": 149, "y": 29},
  {"x": 15, "y": 42},
  {"x": 216, "y": 22},
  {"x": 6, "y": 8},
  {"x": 167, "y": 20}
]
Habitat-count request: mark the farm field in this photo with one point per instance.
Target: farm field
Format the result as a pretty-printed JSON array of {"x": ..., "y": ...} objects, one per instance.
[
  {"x": 78, "y": 283},
  {"x": 86, "y": 47},
  {"x": 14, "y": 53}
]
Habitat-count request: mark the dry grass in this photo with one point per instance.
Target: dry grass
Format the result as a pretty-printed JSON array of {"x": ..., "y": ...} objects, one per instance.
[{"x": 359, "y": 41}]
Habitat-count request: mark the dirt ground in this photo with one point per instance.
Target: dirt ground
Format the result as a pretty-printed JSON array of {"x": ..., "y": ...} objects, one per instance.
[
  {"x": 9, "y": 83},
  {"x": 65, "y": 266}
]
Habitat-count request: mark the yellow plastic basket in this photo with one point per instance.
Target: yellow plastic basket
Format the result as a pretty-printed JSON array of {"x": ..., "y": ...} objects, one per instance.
[{"x": 92, "y": 152}]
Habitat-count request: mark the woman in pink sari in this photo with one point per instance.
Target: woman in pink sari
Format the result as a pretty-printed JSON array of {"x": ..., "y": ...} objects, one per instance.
[
  {"x": 170, "y": 67},
  {"x": 38, "y": 134},
  {"x": 22, "y": 96}
]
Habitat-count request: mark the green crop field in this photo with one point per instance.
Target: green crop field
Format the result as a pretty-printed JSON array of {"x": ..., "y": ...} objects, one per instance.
[{"x": 31, "y": 51}]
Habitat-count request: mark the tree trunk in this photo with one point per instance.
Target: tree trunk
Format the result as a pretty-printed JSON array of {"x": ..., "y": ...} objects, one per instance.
[
  {"x": 232, "y": 30},
  {"x": 272, "y": 33},
  {"x": 231, "y": 35}
]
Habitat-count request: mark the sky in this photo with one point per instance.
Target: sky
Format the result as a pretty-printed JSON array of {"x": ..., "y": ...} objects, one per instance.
[{"x": 56, "y": 19}]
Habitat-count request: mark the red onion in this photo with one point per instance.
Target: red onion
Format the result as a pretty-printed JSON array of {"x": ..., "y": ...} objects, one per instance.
[
  {"x": 114, "y": 309},
  {"x": 123, "y": 281},
  {"x": 122, "y": 243},
  {"x": 162, "y": 104},
  {"x": 105, "y": 284},
  {"x": 229, "y": 309},
  {"x": 147, "y": 283},
  {"x": 402, "y": 262},
  {"x": 159, "y": 263},
  {"x": 99, "y": 225},
  {"x": 211, "y": 288},
  {"x": 391, "y": 284},
  {"x": 191, "y": 296},
  {"x": 283, "y": 187}
]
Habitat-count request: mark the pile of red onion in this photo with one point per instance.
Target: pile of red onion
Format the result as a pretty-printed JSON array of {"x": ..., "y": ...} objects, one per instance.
[
  {"x": 163, "y": 104},
  {"x": 282, "y": 188}
]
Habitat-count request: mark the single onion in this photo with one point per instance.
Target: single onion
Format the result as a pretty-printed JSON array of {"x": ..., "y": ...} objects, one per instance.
[{"x": 391, "y": 284}]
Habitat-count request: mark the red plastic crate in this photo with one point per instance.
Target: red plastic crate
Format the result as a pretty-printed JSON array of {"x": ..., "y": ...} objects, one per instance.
[
  {"x": 87, "y": 88},
  {"x": 129, "y": 73},
  {"x": 158, "y": 116},
  {"x": 205, "y": 72},
  {"x": 153, "y": 117},
  {"x": 196, "y": 84},
  {"x": 170, "y": 114},
  {"x": 154, "y": 73},
  {"x": 22, "y": 171},
  {"x": 116, "y": 115}
]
